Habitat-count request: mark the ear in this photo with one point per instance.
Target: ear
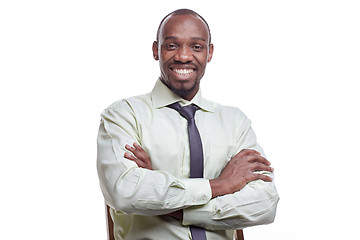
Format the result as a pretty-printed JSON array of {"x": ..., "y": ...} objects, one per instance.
[
  {"x": 211, "y": 51},
  {"x": 155, "y": 50}
]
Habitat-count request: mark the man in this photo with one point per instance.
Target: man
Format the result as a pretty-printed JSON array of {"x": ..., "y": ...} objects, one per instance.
[{"x": 147, "y": 185}]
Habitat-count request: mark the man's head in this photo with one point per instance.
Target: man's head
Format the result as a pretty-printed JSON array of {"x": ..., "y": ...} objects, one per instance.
[{"x": 183, "y": 48}]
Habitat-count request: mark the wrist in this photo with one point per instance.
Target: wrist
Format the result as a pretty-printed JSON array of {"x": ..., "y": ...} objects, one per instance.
[{"x": 216, "y": 187}]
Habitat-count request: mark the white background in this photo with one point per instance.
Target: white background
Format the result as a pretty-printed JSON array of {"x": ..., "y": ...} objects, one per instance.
[{"x": 291, "y": 66}]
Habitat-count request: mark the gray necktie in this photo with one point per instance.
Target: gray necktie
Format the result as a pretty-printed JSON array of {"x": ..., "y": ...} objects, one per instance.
[{"x": 196, "y": 155}]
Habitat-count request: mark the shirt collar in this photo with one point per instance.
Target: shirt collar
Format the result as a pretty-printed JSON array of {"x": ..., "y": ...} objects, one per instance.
[{"x": 162, "y": 96}]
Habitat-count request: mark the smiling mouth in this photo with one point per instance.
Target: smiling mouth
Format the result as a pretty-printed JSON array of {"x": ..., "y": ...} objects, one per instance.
[{"x": 183, "y": 71}]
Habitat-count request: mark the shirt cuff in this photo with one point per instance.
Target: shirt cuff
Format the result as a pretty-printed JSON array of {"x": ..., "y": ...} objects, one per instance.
[
  {"x": 198, "y": 191},
  {"x": 199, "y": 215}
]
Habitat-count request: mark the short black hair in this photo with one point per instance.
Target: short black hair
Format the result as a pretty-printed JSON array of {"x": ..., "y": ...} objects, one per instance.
[{"x": 183, "y": 11}]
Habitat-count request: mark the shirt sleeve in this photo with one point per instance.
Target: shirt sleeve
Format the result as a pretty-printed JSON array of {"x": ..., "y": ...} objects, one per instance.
[
  {"x": 255, "y": 204},
  {"x": 133, "y": 190}
]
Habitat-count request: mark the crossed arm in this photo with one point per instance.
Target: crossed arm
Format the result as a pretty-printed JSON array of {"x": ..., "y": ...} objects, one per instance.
[{"x": 240, "y": 170}]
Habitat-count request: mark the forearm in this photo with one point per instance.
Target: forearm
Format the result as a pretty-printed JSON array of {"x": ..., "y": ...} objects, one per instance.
[
  {"x": 243, "y": 195},
  {"x": 254, "y": 205},
  {"x": 155, "y": 194}
]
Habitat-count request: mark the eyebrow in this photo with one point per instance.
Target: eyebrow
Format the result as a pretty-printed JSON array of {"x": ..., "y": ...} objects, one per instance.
[
  {"x": 167, "y": 38},
  {"x": 199, "y": 38},
  {"x": 193, "y": 38}
]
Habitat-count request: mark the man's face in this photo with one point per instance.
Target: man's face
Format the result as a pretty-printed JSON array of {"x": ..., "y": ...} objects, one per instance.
[{"x": 183, "y": 50}]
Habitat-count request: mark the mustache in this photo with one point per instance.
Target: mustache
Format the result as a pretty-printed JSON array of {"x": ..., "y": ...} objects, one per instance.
[{"x": 182, "y": 65}]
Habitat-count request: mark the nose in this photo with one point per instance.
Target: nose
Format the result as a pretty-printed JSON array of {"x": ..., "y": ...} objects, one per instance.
[{"x": 184, "y": 55}]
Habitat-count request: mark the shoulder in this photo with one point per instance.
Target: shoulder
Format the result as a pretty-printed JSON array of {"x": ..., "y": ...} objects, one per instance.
[
  {"x": 228, "y": 112},
  {"x": 128, "y": 106},
  {"x": 126, "y": 103},
  {"x": 231, "y": 117}
]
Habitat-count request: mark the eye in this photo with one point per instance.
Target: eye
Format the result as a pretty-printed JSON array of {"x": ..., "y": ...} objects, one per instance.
[
  {"x": 197, "y": 47},
  {"x": 171, "y": 46}
]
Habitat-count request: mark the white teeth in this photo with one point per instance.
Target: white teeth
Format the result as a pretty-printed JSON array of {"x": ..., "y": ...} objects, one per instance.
[{"x": 183, "y": 71}]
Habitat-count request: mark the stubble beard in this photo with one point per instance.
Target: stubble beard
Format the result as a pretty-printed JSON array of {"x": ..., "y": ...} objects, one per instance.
[{"x": 182, "y": 92}]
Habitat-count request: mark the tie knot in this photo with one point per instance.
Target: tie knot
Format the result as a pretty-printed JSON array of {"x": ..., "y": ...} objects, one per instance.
[{"x": 187, "y": 112}]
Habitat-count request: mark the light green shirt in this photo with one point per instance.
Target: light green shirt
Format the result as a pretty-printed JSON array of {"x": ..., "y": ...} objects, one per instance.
[{"x": 138, "y": 197}]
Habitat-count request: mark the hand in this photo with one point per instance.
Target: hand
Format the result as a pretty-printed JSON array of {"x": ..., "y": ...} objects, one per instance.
[
  {"x": 138, "y": 155},
  {"x": 239, "y": 171}
]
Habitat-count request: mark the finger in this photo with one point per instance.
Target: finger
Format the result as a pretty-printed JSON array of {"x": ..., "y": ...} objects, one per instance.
[
  {"x": 263, "y": 177},
  {"x": 141, "y": 164},
  {"x": 261, "y": 167},
  {"x": 130, "y": 148},
  {"x": 137, "y": 151},
  {"x": 137, "y": 161},
  {"x": 129, "y": 156},
  {"x": 259, "y": 159},
  {"x": 138, "y": 148},
  {"x": 141, "y": 154}
]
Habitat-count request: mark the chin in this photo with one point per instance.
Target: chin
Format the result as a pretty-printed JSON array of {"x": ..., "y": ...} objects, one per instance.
[
  {"x": 184, "y": 91},
  {"x": 181, "y": 87}
]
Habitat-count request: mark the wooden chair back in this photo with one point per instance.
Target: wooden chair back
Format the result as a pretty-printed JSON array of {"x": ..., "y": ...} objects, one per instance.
[
  {"x": 239, "y": 235},
  {"x": 109, "y": 224}
]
